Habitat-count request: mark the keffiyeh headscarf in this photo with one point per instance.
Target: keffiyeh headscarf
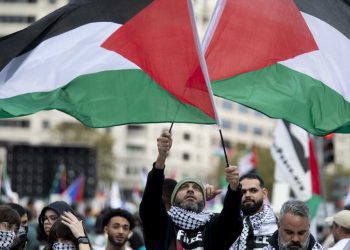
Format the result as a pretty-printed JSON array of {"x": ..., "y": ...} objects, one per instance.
[
  {"x": 187, "y": 219},
  {"x": 260, "y": 224},
  {"x": 63, "y": 246},
  {"x": 6, "y": 239}
]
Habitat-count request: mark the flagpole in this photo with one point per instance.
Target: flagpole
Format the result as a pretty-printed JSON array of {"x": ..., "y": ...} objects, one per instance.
[
  {"x": 319, "y": 152},
  {"x": 203, "y": 63},
  {"x": 206, "y": 75}
]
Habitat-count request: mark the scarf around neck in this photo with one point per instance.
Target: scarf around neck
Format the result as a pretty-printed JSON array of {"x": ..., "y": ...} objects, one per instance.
[
  {"x": 186, "y": 219},
  {"x": 259, "y": 224}
]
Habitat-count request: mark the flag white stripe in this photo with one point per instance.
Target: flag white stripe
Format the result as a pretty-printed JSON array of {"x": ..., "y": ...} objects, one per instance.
[
  {"x": 60, "y": 59},
  {"x": 331, "y": 63}
]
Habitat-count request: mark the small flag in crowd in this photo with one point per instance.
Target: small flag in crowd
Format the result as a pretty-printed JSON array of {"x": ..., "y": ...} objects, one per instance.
[{"x": 248, "y": 163}]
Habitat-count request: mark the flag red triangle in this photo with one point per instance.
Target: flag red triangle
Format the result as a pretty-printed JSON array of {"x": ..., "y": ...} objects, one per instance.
[
  {"x": 160, "y": 40},
  {"x": 251, "y": 35}
]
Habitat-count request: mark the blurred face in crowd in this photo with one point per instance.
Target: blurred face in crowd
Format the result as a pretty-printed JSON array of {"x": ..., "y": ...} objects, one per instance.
[
  {"x": 293, "y": 232},
  {"x": 118, "y": 230},
  {"x": 253, "y": 196},
  {"x": 49, "y": 218},
  {"x": 190, "y": 197}
]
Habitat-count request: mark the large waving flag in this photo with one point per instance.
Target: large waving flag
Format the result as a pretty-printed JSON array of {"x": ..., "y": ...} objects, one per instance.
[
  {"x": 296, "y": 164},
  {"x": 288, "y": 59},
  {"x": 107, "y": 63}
]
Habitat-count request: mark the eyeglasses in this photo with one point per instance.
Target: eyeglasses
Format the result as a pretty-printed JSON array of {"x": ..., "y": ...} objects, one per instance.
[
  {"x": 51, "y": 219},
  {"x": 8, "y": 227}
]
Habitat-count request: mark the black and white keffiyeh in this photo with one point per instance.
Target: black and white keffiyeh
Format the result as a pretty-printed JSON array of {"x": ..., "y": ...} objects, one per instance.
[
  {"x": 187, "y": 219},
  {"x": 63, "y": 246},
  {"x": 6, "y": 239},
  {"x": 260, "y": 224}
]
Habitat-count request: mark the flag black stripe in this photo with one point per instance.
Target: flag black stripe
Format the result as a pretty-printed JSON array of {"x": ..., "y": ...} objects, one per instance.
[
  {"x": 333, "y": 12},
  {"x": 70, "y": 16}
]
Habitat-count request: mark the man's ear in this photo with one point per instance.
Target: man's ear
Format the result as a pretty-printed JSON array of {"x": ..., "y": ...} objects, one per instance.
[
  {"x": 266, "y": 192},
  {"x": 105, "y": 229}
]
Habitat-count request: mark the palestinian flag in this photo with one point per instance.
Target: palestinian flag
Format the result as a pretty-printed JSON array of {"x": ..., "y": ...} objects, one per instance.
[
  {"x": 296, "y": 164},
  {"x": 108, "y": 62},
  {"x": 288, "y": 59}
]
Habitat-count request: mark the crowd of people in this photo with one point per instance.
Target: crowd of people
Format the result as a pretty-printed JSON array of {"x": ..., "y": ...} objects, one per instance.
[{"x": 173, "y": 216}]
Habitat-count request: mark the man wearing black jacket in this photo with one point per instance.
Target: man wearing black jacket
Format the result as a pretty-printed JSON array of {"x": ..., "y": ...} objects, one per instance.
[{"x": 188, "y": 225}]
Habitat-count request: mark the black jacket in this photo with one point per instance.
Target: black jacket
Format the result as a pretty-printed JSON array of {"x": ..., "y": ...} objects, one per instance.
[{"x": 159, "y": 230}]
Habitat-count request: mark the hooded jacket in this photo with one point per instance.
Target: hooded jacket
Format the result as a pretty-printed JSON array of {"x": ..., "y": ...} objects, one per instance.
[{"x": 59, "y": 207}]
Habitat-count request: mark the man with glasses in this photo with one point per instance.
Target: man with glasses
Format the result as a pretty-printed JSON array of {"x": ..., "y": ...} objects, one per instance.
[
  {"x": 49, "y": 215},
  {"x": 9, "y": 224}
]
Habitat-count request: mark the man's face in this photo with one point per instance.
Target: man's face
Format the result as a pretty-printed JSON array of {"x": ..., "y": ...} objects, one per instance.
[
  {"x": 293, "y": 232},
  {"x": 190, "y": 197},
  {"x": 253, "y": 196},
  {"x": 335, "y": 232},
  {"x": 118, "y": 230}
]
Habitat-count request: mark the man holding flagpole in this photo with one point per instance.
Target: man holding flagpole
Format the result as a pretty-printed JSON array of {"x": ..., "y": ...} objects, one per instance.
[{"x": 187, "y": 225}]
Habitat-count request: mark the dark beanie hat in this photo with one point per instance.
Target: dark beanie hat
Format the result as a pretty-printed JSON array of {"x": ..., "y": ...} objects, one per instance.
[{"x": 183, "y": 181}]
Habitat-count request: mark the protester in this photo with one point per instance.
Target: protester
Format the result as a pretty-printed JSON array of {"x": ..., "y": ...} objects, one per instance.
[
  {"x": 68, "y": 233},
  {"x": 341, "y": 230},
  {"x": 118, "y": 225},
  {"x": 259, "y": 221},
  {"x": 187, "y": 225},
  {"x": 48, "y": 216},
  {"x": 293, "y": 229},
  {"x": 9, "y": 225},
  {"x": 21, "y": 239}
]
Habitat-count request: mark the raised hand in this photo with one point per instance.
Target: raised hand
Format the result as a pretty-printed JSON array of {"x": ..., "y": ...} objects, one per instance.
[
  {"x": 164, "y": 142},
  {"x": 74, "y": 224},
  {"x": 232, "y": 177},
  {"x": 211, "y": 192}
]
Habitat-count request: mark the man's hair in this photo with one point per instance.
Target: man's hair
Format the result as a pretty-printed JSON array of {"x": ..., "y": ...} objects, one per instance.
[
  {"x": 20, "y": 210},
  {"x": 9, "y": 215},
  {"x": 294, "y": 207},
  {"x": 120, "y": 213},
  {"x": 253, "y": 176}
]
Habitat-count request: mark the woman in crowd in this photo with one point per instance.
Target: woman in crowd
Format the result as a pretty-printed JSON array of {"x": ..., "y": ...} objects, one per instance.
[{"x": 68, "y": 233}]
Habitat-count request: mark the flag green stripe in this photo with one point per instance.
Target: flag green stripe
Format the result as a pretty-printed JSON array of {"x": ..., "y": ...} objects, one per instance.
[
  {"x": 108, "y": 98},
  {"x": 282, "y": 92},
  {"x": 313, "y": 204}
]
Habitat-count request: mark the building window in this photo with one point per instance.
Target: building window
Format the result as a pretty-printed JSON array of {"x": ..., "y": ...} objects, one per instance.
[
  {"x": 135, "y": 148},
  {"x": 187, "y": 137},
  {"x": 227, "y": 105},
  {"x": 17, "y": 19},
  {"x": 135, "y": 127},
  {"x": 15, "y": 123},
  {"x": 243, "y": 109},
  {"x": 258, "y": 131},
  {"x": 45, "y": 124},
  {"x": 226, "y": 124},
  {"x": 242, "y": 127},
  {"x": 258, "y": 114},
  {"x": 186, "y": 156}
]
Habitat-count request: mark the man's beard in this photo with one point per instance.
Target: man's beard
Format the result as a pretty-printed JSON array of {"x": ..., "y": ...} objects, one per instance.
[
  {"x": 293, "y": 245},
  {"x": 252, "y": 207},
  {"x": 192, "y": 206},
  {"x": 115, "y": 243}
]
